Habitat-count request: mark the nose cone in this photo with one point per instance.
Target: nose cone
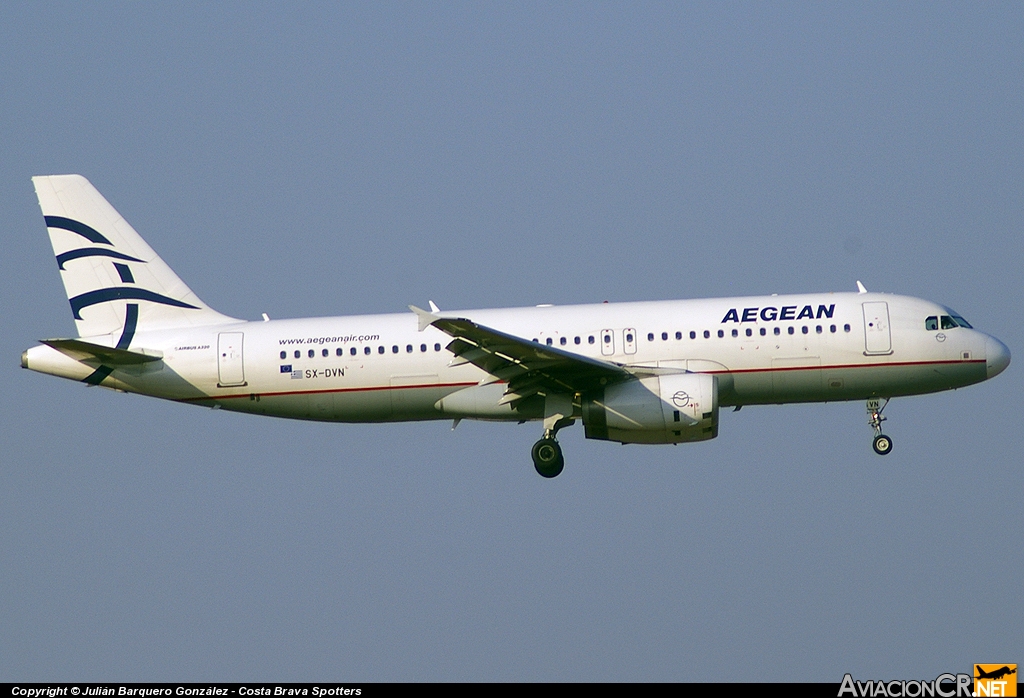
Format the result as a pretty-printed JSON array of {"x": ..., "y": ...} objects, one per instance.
[{"x": 997, "y": 356}]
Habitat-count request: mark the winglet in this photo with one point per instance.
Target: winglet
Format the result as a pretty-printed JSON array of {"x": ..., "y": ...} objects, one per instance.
[
  {"x": 425, "y": 317},
  {"x": 860, "y": 288},
  {"x": 433, "y": 307}
]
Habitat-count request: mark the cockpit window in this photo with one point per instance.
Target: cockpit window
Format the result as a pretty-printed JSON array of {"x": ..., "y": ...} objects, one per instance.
[{"x": 947, "y": 322}]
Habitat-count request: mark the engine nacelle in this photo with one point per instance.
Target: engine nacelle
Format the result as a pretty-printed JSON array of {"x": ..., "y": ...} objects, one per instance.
[{"x": 657, "y": 410}]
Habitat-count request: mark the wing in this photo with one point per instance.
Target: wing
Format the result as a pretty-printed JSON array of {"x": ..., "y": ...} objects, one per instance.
[{"x": 529, "y": 368}]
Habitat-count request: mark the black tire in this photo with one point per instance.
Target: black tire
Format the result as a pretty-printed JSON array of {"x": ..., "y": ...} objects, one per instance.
[
  {"x": 547, "y": 458},
  {"x": 882, "y": 444}
]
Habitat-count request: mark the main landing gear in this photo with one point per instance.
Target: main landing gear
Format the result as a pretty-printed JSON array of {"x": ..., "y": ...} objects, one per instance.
[
  {"x": 547, "y": 454},
  {"x": 547, "y": 457},
  {"x": 882, "y": 443}
]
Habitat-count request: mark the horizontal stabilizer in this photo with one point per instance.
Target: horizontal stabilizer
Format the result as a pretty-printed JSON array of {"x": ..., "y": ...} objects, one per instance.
[{"x": 111, "y": 356}]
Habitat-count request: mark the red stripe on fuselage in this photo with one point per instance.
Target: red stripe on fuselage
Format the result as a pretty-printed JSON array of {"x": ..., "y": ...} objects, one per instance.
[
  {"x": 466, "y": 385},
  {"x": 330, "y": 390},
  {"x": 833, "y": 367}
]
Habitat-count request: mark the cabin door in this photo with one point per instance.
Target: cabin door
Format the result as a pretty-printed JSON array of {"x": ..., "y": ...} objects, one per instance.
[
  {"x": 877, "y": 339},
  {"x": 230, "y": 370}
]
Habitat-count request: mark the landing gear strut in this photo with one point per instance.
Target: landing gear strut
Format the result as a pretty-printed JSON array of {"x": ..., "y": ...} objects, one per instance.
[
  {"x": 547, "y": 454},
  {"x": 882, "y": 443}
]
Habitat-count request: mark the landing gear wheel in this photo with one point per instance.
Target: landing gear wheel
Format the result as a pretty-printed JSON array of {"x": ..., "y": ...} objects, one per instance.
[
  {"x": 882, "y": 444},
  {"x": 547, "y": 458}
]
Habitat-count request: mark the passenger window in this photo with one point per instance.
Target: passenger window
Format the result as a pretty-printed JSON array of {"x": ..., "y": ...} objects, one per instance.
[
  {"x": 394, "y": 348},
  {"x": 437, "y": 347},
  {"x": 931, "y": 322},
  {"x": 818, "y": 329},
  {"x": 650, "y": 337},
  {"x": 763, "y": 332},
  {"x": 590, "y": 339},
  {"x": 749, "y": 331},
  {"x": 735, "y": 333},
  {"x": 408, "y": 348},
  {"x": 693, "y": 335},
  {"x": 339, "y": 351},
  {"x": 325, "y": 353},
  {"x": 366, "y": 350},
  {"x": 679, "y": 335},
  {"x": 576, "y": 340},
  {"x": 284, "y": 355},
  {"x": 846, "y": 327},
  {"x": 423, "y": 347},
  {"x": 562, "y": 341},
  {"x": 311, "y": 353},
  {"x": 380, "y": 350},
  {"x": 792, "y": 330},
  {"x": 707, "y": 334},
  {"x": 297, "y": 353},
  {"x": 947, "y": 322},
  {"x": 804, "y": 329},
  {"x": 352, "y": 351},
  {"x": 777, "y": 331},
  {"x": 548, "y": 341},
  {"x": 664, "y": 336},
  {"x": 832, "y": 329},
  {"x": 721, "y": 334}
]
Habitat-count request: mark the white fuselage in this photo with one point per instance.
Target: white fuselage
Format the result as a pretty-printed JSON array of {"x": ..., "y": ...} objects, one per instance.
[{"x": 371, "y": 368}]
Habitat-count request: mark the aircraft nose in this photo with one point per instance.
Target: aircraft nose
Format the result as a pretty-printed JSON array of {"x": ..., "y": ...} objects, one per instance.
[{"x": 997, "y": 356}]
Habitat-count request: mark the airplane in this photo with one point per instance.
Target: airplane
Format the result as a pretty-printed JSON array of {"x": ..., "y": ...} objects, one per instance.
[
  {"x": 995, "y": 674},
  {"x": 633, "y": 373}
]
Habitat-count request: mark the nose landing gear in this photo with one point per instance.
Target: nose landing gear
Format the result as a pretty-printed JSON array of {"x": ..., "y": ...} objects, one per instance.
[{"x": 882, "y": 443}]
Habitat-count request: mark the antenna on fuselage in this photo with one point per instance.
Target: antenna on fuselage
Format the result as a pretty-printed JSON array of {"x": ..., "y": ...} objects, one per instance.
[{"x": 860, "y": 287}]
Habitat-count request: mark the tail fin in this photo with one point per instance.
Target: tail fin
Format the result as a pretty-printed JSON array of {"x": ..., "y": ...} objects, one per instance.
[{"x": 114, "y": 280}]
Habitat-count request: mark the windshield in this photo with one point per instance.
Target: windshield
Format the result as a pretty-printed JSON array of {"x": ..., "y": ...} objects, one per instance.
[{"x": 946, "y": 322}]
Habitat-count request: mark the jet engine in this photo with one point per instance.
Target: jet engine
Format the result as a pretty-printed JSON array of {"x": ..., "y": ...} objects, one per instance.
[{"x": 663, "y": 409}]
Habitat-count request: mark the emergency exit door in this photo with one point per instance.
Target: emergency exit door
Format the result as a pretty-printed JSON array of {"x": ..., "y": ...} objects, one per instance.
[
  {"x": 230, "y": 369},
  {"x": 607, "y": 342},
  {"x": 629, "y": 340}
]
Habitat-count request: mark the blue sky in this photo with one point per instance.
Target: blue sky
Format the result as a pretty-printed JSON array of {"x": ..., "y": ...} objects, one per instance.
[{"x": 312, "y": 159}]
